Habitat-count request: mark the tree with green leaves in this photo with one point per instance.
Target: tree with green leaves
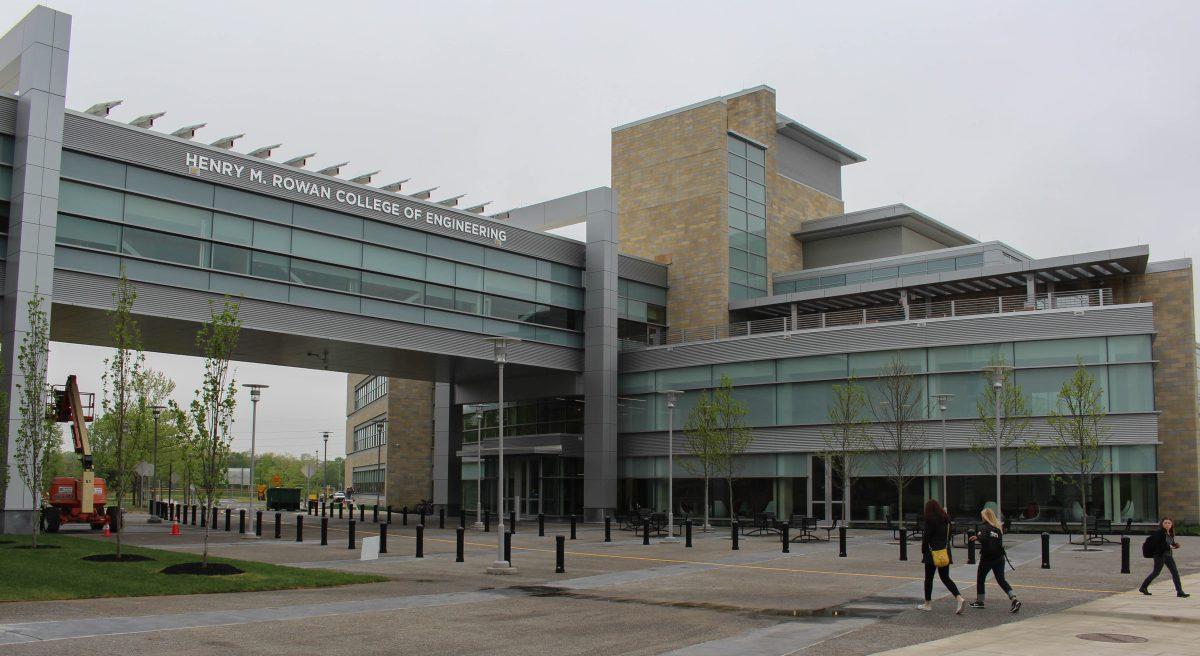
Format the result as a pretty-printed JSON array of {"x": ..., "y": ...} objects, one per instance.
[
  {"x": 702, "y": 442},
  {"x": 717, "y": 436},
  {"x": 214, "y": 403},
  {"x": 900, "y": 437},
  {"x": 845, "y": 437},
  {"x": 123, "y": 398},
  {"x": 1010, "y": 431},
  {"x": 38, "y": 439},
  {"x": 1077, "y": 431}
]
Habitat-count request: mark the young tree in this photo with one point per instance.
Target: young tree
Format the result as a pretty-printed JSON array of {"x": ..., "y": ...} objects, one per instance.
[
  {"x": 846, "y": 436},
  {"x": 703, "y": 443},
  {"x": 730, "y": 436},
  {"x": 38, "y": 439},
  {"x": 122, "y": 398},
  {"x": 214, "y": 403},
  {"x": 1077, "y": 424},
  {"x": 898, "y": 405},
  {"x": 1010, "y": 432}
]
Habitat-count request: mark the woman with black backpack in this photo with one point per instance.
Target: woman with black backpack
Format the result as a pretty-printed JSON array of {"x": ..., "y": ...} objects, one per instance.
[
  {"x": 991, "y": 559},
  {"x": 1159, "y": 546},
  {"x": 935, "y": 553}
]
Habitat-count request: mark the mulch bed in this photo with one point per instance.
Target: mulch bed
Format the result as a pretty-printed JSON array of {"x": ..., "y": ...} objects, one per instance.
[
  {"x": 199, "y": 569},
  {"x": 112, "y": 558}
]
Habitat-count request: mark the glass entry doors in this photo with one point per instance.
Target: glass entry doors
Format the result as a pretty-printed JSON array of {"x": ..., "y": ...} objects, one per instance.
[{"x": 828, "y": 493}]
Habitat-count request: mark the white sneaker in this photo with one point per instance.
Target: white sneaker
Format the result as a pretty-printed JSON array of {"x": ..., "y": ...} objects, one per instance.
[
  {"x": 962, "y": 603},
  {"x": 925, "y": 607}
]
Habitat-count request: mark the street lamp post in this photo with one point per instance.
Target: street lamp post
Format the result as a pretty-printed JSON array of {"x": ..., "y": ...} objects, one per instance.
[
  {"x": 998, "y": 372},
  {"x": 378, "y": 460},
  {"x": 672, "y": 395},
  {"x": 325, "y": 469},
  {"x": 944, "y": 405},
  {"x": 479, "y": 466},
  {"x": 255, "y": 393},
  {"x": 500, "y": 356},
  {"x": 157, "y": 410}
]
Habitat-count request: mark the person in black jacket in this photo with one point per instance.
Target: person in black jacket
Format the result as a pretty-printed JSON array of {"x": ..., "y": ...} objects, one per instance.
[
  {"x": 1163, "y": 541},
  {"x": 937, "y": 536},
  {"x": 991, "y": 559}
]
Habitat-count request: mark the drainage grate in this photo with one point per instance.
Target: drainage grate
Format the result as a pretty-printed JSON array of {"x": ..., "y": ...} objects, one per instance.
[{"x": 1111, "y": 637}]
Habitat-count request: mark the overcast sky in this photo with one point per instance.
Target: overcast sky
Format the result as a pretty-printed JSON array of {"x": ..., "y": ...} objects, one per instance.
[{"x": 1055, "y": 127}]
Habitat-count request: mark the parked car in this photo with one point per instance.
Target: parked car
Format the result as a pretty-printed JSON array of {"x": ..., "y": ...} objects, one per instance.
[{"x": 339, "y": 497}]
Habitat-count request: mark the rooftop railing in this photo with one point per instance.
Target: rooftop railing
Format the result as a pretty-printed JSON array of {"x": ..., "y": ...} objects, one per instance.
[{"x": 917, "y": 311}]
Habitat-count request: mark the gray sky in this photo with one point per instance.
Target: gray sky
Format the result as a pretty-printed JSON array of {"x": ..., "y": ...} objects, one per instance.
[{"x": 1056, "y": 127}]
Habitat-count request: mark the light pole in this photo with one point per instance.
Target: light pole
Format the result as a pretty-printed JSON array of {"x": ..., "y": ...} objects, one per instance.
[
  {"x": 255, "y": 393},
  {"x": 500, "y": 356},
  {"x": 478, "y": 467},
  {"x": 378, "y": 459},
  {"x": 157, "y": 410},
  {"x": 944, "y": 405},
  {"x": 999, "y": 372},
  {"x": 325, "y": 469},
  {"x": 671, "y": 396}
]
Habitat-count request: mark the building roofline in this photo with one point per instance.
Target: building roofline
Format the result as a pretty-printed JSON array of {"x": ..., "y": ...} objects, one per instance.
[
  {"x": 702, "y": 103},
  {"x": 876, "y": 218},
  {"x": 809, "y": 137}
]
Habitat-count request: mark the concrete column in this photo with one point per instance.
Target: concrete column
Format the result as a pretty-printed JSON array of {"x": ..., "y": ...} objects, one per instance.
[
  {"x": 33, "y": 65},
  {"x": 1030, "y": 290},
  {"x": 904, "y": 303},
  {"x": 447, "y": 440},
  {"x": 600, "y": 357}
]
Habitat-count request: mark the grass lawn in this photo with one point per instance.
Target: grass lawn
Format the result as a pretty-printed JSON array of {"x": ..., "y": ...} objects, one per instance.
[{"x": 39, "y": 575}]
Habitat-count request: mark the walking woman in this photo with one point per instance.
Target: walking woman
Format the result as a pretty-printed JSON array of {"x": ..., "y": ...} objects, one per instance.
[
  {"x": 1160, "y": 545},
  {"x": 935, "y": 553},
  {"x": 992, "y": 559}
]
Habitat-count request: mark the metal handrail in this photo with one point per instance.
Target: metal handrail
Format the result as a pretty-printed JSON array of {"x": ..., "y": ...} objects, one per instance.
[{"x": 916, "y": 311}]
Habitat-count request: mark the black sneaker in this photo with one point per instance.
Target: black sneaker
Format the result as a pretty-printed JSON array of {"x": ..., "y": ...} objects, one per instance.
[
  {"x": 976, "y": 604},
  {"x": 1016, "y": 606},
  {"x": 1144, "y": 591},
  {"x": 1183, "y": 594}
]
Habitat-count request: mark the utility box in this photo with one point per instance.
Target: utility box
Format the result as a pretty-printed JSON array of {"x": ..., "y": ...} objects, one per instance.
[{"x": 283, "y": 498}]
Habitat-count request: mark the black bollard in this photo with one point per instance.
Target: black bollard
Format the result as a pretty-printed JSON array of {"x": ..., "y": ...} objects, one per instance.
[
  {"x": 1124, "y": 554},
  {"x": 341, "y": 510},
  {"x": 1045, "y": 551},
  {"x": 299, "y": 528},
  {"x": 242, "y": 521},
  {"x": 383, "y": 538},
  {"x": 733, "y": 533},
  {"x": 560, "y": 548},
  {"x": 215, "y": 516},
  {"x": 362, "y": 512},
  {"x": 541, "y": 525},
  {"x": 786, "y": 542},
  {"x": 903, "y": 544},
  {"x": 324, "y": 531},
  {"x": 375, "y": 513},
  {"x": 442, "y": 518},
  {"x": 193, "y": 514},
  {"x": 420, "y": 540},
  {"x": 508, "y": 547},
  {"x": 389, "y": 514},
  {"x": 512, "y": 521},
  {"x": 458, "y": 544},
  {"x": 203, "y": 517},
  {"x": 841, "y": 542},
  {"x": 228, "y": 516},
  {"x": 487, "y": 521},
  {"x": 404, "y": 516},
  {"x": 645, "y": 531},
  {"x": 970, "y": 550},
  {"x": 687, "y": 531},
  {"x": 278, "y": 525},
  {"x": 572, "y": 527},
  {"x": 422, "y": 515},
  {"x": 351, "y": 526},
  {"x": 258, "y": 523},
  {"x": 607, "y": 528},
  {"x": 462, "y": 518},
  {"x": 322, "y": 508}
]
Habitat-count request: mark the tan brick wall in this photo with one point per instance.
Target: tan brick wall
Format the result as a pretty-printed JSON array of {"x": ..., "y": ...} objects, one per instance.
[
  {"x": 1174, "y": 386},
  {"x": 408, "y": 450},
  {"x": 790, "y": 203}
]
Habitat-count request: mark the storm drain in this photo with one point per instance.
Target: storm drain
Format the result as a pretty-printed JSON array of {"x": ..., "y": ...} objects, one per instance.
[{"x": 1111, "y": 637}]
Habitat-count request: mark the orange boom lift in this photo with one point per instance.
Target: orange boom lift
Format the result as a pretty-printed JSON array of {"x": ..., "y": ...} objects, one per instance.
[{"x": 76, "y": 500}]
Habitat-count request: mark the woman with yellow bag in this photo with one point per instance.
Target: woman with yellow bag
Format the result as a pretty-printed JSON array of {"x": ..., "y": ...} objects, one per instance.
[{"x": 935, "y": 553}]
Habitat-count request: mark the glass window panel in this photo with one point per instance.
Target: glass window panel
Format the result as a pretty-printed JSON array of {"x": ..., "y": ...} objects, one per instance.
[
  {"x": 622, "y": 306},
  {"x": 269, "y": 265},
  {"x": 1129, "y": 348},
  {"x": 756, "y": 225},
  {"x": 400, "y": 263},
  {"x": 159, "y": 246},
  {"x": 755, "y": 154},
  {"x": 805, "y": 403},
  {"x": 756, "y": 245},
  {"x": 182, "y": 219},
  {"x": 390, "y": 235},
  {"x": 307, "y": 216},
  {"x": 94, "y": 169},
  {"x": 636, "y": 413},
  {"x": 737, "y": 239},
  {"x": 967, "y": 388},
  {"x": 785, "y": 287},
  {"x": 737, "y": 202},
  {"x": 833, "y": 281},
  {"x": 568, "y": 275},
  {"x": 465, "y": 301},
  {"x": 756, "y": 173},
  {"x": 468, "y": 276},
  {"x": 756, "y": 209},
  {"x": 1060, "y": 351},
  {"x": 503, "y": 283},
  {"x": 1134, "y": 458},
  {"x": 737, "y": 146},
  {"x": 737, "y": 165},
  {"x": 455, "y": 250},
  {"x": 511, "y": 262},
  {"x": 940, "y": 265},
  {"x": 872, "y": 363},
  {"x": 636, "y": 310},
  {"x": 971, "y": 357},
  {"x": 855, "y": 277},
  {"x": 570, "y": 297},
  {"x": 1131, "y": 388},
  {"x": 817, "y": 367},
  {"x": 757, "y": 264},
  {"x": 543, "y": 292},
  {"x": 5, "y": 183},
  {"x": 808, "y": 284},
  {"x": 737, "y": 259},
  {"x": 439, "y": 296},
  {"x": 169, "y": 186},
  {"x": 328, "y": 249},
  {"x": 70, "y": 258},
  {"x": 737, "y": 218},
  {"x": 439, "y": 271},
  {"x": 233, "y": 229},
  {"x": 737, "y": 185},
  {"x": 92, "y": 201},
  {"x": 685, "y": 378},
  {"x": 7, "y": 146},
  {"x": 635, "y": 383},
  {"x": 523, "y": 331},
  {"x": 397, "y": 289},
  {"x": 738, "y": 276},
  {"x": 757, "y": 282},
  {"x": 656, "y": 314},
  {"x": 91, "y": 234},
  {"x": 258, "y": 206},
  {"x": 914, "y": 268},
  {"x": 557, "y": 317},
  {"x": 272, "y": 237},
  {"x": 1041, "y": 386},
  {"x": 756, "y": 192},
  {"x": 884, "y": 273},
  {"x": 969, "y": 261},
  {"x": 746, "y": 373},
  {"x": 759, "y": 402},
  {"x": 508, "y": 308},
  {"x": 738, "y": 292},
  {"x": 454, "y": 320},
  {"x": 326, "y": 276},
  {"x": 230, "y": 258}
]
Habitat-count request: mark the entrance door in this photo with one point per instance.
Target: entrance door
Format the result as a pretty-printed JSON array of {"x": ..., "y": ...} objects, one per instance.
[{"x": 828, "y": 494}]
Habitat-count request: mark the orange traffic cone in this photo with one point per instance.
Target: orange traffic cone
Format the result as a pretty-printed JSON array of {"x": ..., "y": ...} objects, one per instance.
[
  {"x": 174, "y": 528},
  {"x": 107, "y": 533}
]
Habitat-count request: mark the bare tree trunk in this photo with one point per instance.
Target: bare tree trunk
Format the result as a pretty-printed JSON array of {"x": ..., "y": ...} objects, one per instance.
[
  {"x": 1083, "y": 502},
  {"x": 706, "y": 485}
]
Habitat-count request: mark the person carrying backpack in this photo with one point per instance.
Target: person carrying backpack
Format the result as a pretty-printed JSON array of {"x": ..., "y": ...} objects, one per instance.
[
  {"x": 991, "y": 559},
  {"x": 1159, "y": 546}
]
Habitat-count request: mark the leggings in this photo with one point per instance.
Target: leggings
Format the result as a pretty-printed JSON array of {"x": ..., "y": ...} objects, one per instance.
[
  {"x": 944, "y": 573},
  {"x": 1159, "y": 561},
  {"x": 996, "y": 567}
]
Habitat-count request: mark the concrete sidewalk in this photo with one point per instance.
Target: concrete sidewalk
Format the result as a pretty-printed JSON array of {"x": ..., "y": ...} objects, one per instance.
[{"x": 1162, "y": 624}]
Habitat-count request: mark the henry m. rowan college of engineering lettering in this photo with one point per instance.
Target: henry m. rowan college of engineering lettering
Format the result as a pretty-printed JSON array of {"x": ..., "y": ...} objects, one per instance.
[{"x": 196, "y": 162}]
